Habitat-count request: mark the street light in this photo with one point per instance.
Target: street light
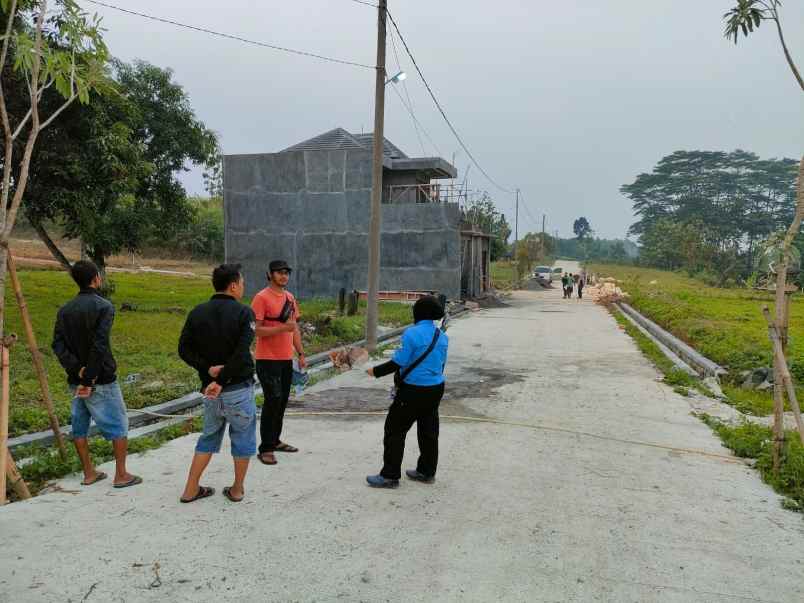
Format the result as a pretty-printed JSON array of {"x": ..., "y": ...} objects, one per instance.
[{"x": 399, "y": 77}]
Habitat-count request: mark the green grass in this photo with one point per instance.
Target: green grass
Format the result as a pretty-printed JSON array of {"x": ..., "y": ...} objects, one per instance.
[
  {"x": 145, "y": 340},
  {"x": 755, "y": 442},
  {"x": 503, "y": 275},
  {"x": 725, "y": 325}
]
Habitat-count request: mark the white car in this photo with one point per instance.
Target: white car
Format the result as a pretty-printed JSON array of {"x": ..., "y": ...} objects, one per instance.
[{"x": 543, "y": 273}]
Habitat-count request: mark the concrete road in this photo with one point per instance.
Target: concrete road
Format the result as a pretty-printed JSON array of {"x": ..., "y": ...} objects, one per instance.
[{"x": 599, "y": 504}]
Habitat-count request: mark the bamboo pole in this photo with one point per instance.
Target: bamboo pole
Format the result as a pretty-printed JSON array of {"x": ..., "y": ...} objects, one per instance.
[
  {"x": 14, "y": 480},
  {"x": 3, "y": 424},
  {"x": 784, "y": 370},
  {"x": 778, "y": 387},
  {"x": 36, "y": 356}
]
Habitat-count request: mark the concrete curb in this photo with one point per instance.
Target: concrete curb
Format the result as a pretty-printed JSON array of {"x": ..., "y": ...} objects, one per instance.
[{"x": 699, "y": 362}]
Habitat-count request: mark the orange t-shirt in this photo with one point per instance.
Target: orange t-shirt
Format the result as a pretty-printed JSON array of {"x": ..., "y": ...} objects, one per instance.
[{"x": 268, "y": 304}]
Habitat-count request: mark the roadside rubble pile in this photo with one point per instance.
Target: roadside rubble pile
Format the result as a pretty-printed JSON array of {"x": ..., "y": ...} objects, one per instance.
[
  {"x": 607, "y": 291},
  {"x": 348, "y": 357}
]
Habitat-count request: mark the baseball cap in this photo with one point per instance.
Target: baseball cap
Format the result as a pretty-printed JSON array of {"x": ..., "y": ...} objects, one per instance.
[{"x": 277, "y": 265}]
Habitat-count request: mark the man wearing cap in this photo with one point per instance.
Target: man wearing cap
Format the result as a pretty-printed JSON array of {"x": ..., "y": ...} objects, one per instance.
[{"x": 276, "y": 312}]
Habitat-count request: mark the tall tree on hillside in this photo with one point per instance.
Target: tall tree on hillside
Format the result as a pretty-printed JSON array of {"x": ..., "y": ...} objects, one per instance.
[
  {"x": 748, "y": 15},
  {"x": 581, "y": 228}
]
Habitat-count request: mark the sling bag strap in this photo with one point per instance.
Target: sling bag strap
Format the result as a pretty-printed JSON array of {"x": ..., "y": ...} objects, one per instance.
[
  {"x": 284, "y": 314},
  {"x": 409, "y": 369}
]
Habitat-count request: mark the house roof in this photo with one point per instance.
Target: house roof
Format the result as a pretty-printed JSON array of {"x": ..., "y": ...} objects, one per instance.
[
  {"x": 338, "y": 139},
  {"x": 394, "y": 159}
]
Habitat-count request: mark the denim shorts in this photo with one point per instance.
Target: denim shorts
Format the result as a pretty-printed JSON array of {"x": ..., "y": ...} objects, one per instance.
[
  {"x": 235, "y": 406},
  {"x": 106, "y": 407}
]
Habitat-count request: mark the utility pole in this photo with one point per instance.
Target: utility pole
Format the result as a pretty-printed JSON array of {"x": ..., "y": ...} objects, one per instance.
[
  {"x": 544, "y": 218},
  {"x": 376, "y": 183},
  {"x": 516, "y": 224}
]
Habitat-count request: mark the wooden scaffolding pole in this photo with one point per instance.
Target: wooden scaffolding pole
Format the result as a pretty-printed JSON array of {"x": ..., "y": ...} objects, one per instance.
[
  {"x": 36, "y": 356},
  {"x": 14, "y": 481},
  {"x": 4, "y": 454}
]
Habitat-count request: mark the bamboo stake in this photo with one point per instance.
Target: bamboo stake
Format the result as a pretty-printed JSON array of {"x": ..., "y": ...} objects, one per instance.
[
  {"x": 36, "y": 356},
  {"x": 778, "y": 387},
  {"x": 784, "y": 370},
  {"x": 4, "y": 424},
  {"x": 14, "y": 480}
]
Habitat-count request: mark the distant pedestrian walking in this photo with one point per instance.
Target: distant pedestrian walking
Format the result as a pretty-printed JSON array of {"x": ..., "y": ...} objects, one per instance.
[
  {"x": 570, "y": 285},
  {"x": 81, "y": 343},
  {"x": 581, "y": 284},
  {"x": 418, "y": 368},
  {"x": 216, "y": 341}
]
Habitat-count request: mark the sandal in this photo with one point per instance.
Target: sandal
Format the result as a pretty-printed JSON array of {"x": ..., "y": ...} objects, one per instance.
[
  {"x": 98, "y": 477},
  {"x": 270, "y": 456},
  {"x": 203, "y": 492},
  {"x": 135, "y": 479},
  {"x": 227, "y": 492},
  {"x": 282, "y": 447}
]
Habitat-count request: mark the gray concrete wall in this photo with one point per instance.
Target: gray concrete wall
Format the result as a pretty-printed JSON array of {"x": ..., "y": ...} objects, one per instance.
[{"x": 312, "y": 208}]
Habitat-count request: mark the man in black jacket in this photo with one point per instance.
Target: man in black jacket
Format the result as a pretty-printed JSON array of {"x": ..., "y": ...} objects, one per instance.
[
  {"x": 216, "y": 341},
  {"x": 81, "y": 343}
]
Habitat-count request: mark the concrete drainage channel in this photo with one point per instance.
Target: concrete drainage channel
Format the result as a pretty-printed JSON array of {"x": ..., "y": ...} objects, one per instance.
[
  {"x": 682, "y": 355},
  {"x": 151, "y": 419}
]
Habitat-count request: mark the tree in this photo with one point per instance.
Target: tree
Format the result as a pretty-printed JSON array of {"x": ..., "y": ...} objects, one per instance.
[
  {"x": 213, "y": 177},
  {"x": 483, "y": 214},
  {"x": 749, "y": 15},
  {"x": 108, "y": 173},
  {"x": 59, "y": 53},
  {"x": 581, "y": 228}
]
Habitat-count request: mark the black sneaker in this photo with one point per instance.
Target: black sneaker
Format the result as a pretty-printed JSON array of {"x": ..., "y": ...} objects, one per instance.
[
  {"x": 420, "y": 477},
  {"x": 378, "y": 481}
]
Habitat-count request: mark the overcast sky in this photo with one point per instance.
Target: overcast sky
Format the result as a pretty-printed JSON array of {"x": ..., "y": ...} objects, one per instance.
[{"x": 565, "y": 100}]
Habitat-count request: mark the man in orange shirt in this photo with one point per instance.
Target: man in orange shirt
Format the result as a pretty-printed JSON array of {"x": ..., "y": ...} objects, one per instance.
[{"x": 277, "y": 313}]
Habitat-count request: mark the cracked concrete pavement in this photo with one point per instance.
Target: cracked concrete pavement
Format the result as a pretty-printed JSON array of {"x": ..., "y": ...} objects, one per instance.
[{"x": 517, "y": 513}]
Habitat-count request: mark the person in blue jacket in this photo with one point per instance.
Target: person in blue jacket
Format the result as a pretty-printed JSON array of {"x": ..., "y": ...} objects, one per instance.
[{"x": 418, "y": 366}]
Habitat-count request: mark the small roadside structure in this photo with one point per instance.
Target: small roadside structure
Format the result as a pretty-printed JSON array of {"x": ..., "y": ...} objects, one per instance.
[{"x": 310, "y": 205}]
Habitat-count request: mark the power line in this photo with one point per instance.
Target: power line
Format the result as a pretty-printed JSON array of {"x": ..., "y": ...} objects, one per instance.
[
  {"x": 407, "y": 94},
  {"x": 365, "y": 3},
  {"x": 233, "y": 37},
  {"x": 441, "y": 109}
]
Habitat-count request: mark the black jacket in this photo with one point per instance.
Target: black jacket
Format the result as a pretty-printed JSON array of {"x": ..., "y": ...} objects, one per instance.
[
  {"x": 219, "y": 332},
  {"x": 81, "y": 339}
]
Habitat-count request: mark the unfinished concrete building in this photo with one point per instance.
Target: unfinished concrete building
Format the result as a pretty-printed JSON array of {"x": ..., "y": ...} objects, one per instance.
[{"x": 310, "y": 204}]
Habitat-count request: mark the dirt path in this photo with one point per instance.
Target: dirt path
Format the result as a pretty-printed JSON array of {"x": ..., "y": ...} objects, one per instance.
[{"x": 598, "y": 505}]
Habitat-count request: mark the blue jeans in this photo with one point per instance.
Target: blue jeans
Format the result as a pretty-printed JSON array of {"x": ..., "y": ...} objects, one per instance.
[
  {"x": 106, "y": 406},
  {"x": 235, "y": 406}
]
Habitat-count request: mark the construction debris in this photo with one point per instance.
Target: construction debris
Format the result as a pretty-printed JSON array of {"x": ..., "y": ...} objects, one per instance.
[
  {"x": 346, "y": 358},
  {"x": 607, "y": 292}
]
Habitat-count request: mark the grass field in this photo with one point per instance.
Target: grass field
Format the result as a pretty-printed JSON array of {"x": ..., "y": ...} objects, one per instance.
[
  {"x": 503, "y": 275},
  {"x": 726, "y": 325},
  {"x": 144, "y": 340}
]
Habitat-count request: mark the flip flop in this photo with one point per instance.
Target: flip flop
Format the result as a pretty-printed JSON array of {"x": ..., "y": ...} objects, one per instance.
[
  {"x": 227, "y": 492},
  {"x": 264, "y": 462},
  {"x": 203, "y": 492},
  {"x": 98, "y": 477},
  {"x": 282, "y": 447},
  {"x": 136, "y": 479}
]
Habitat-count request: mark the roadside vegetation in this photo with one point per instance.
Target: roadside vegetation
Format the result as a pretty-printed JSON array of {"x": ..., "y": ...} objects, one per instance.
[
  {"x": 150, "y": 312},
  {"x": 725, "y": 325},
  {"x": 748, "y": 440}
]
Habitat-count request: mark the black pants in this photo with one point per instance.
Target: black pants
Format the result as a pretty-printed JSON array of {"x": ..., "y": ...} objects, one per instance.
[
  {"x": 275, "y": 377},
  {"x": 412, "y": 404}
]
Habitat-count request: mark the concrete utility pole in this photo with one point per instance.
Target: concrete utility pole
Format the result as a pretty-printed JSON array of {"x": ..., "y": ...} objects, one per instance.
[
  {"x": 544, "y": 218},
  {"x": 376, "y": 183},
  {"x": 516, "y": 224}
]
